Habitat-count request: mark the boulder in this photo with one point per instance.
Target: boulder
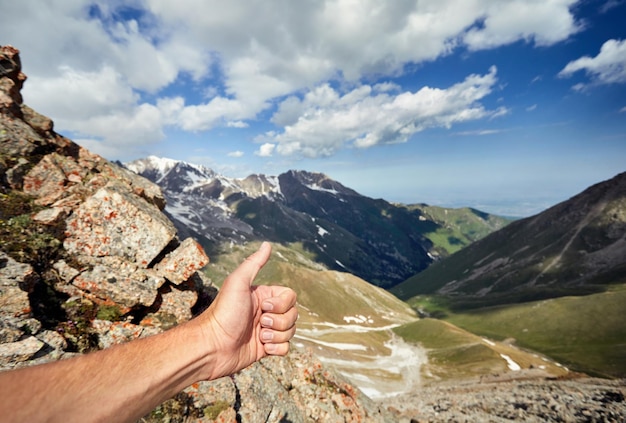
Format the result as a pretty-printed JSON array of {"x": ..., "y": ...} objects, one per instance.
[{"x": 115, "y": 222}]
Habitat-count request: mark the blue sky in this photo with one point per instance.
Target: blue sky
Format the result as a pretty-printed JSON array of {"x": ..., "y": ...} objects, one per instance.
[{"x": 507, "y": 106}]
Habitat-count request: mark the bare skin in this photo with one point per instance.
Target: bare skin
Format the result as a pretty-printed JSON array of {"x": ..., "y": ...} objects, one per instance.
[{"x": 244, "y": 324}]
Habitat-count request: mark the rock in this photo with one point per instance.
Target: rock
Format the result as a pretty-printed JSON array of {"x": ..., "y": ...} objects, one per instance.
[
  {"x": 9, "y": 331},
  {"x": 119, "y": 281},
  {"x": 65, "y": 271},
  {"x": 52, "y": 339},
  {"x": 142, "y": 187},
  {"x": 41, "y": 124},
  {"x": 50, "y": 215},
  {"x": 263, "y": 398},
  {"x": 183, "y": 262},
  {"x": 11, "y": 81},
  {"x": 174, "y": 307},
  {"x": 15, "y": 175},
  {"x": 14, "y": 353},
  {"x": 16, "y": 281},
  {"x": 534, "y": 400},
  {"x": 115, "y": 222},
  {"x": 46, "y": 180}
]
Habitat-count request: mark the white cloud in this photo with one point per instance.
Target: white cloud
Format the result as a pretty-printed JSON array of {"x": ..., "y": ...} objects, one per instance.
[
  {"x": 623, "y": 110},
  {"x": 480, "y": 132},
  {"x": 531, "y": 108},
  {"x": 236, "y": 154},
  {"x": 75, "y": 95},
  {"x": 544, "y": 22},
  {"x": 329, "y": 121},
  {"x": 236, "y": 124},
  {"x": 113, "y": 74},
  {"x": 608, "y": 67},
  {"x": 266, "y": 150}
]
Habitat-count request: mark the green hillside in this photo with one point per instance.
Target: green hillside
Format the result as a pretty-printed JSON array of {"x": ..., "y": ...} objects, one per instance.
[
  {"x": 455, "y": 353},
  {"x": 586, "y": 333},
  {"x": 456, "y": 228}
]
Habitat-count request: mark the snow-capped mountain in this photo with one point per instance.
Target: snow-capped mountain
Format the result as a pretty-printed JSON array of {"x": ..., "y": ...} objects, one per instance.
[
  {"x": 373, "y": 239},
  {"x": 199, "y": 200}
]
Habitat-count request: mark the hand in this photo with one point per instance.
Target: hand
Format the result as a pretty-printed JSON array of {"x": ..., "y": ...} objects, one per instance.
[{"x": 245, "y": 323}]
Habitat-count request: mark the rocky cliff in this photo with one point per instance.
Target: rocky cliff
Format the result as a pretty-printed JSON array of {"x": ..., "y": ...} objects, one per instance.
[{"x": 88, "y": 259}]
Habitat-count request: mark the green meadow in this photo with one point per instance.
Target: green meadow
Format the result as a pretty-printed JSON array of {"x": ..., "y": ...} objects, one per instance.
[{"x": 585, "y": 333}]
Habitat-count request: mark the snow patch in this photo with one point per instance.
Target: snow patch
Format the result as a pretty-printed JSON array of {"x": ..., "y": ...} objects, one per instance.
[
  {"x": 321, "y": 231},
  {"x": 359, "y": 319},
  {"x": 336, "y": 345},
  {"x": 316, "y": 187},
  {"x": 512, "y": 364}
]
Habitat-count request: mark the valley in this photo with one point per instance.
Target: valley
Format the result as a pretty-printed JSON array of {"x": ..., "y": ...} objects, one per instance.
[{"x": 376, "y": 341}]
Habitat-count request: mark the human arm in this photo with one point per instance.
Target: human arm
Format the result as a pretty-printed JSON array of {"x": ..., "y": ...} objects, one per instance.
[{"x": 127, "y": 381}]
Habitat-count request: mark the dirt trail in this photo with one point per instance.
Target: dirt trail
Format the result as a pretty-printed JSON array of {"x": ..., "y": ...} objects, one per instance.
[{"x": 379, "y": 375}]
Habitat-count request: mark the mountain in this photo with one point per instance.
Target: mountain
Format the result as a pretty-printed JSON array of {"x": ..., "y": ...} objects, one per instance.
[
  {"x": 378, "y": 241},
  {"x": 576, "y": 247}
]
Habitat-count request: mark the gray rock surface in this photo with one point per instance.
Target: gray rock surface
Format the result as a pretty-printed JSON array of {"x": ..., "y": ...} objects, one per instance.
[{"x": 579, "y": 399}]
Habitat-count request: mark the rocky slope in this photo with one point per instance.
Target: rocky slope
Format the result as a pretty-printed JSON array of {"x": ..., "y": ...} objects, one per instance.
[
  {"x": 500, "y": 400},
  {"x": 88, "y": 259}
]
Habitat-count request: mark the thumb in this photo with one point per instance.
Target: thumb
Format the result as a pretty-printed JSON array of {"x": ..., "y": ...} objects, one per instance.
[{"x": 244, "y": 275}]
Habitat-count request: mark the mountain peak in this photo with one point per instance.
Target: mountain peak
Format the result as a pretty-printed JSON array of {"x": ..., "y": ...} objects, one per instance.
[{"x": 318, "y": 182}]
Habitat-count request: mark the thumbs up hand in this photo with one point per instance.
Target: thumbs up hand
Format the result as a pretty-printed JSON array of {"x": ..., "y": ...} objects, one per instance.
[{"x": 246, "y": 322}]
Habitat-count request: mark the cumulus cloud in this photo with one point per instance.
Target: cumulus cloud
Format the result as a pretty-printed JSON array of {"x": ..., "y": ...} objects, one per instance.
[
  {"x": 266, "y": 150},
  {"x": 115, "y": 62},
  {"x": 328, "y": 121},
  {"x": 544, "y": 22},
  {"x": 236, "y": 154},
  {"x": 608, "y": 67}
]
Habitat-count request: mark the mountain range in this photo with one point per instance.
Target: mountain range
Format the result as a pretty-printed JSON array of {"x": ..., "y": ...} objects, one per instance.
[{"x": 380, "y": 242}]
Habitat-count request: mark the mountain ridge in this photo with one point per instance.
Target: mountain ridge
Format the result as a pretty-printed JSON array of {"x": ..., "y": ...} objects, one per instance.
[
  {"x": 378, "y": 241},
  {"x": 574, "y": 247}
]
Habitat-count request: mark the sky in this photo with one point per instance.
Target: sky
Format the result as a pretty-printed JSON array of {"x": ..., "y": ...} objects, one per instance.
[{"x": 508, "y": 106}]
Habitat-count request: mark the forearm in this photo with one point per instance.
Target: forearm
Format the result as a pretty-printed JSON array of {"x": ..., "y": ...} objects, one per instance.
[{"x": 122, "y": 383}]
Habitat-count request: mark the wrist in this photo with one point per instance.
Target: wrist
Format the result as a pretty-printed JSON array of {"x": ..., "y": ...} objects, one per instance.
[{"x": 198, "y": 351}]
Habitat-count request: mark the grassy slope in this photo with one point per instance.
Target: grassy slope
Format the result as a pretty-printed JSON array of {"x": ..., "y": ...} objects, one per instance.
[
  {"x": 586, "y": 333},
  {"x": 457, "y": 228},
  {"x": 326, "y": 297},
  {"x": 454, "y": 353}
]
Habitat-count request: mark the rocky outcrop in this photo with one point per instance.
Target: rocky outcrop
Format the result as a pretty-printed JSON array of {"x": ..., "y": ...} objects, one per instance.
[
  {"x": 533, "y": 400},
  {"x": 88, "y": 260}
]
